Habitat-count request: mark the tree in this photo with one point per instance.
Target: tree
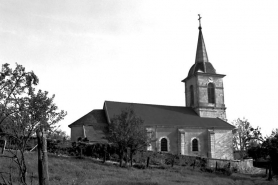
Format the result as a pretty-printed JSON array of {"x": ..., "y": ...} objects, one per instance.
[
  {"x": 15, "y": 85},
  {"x": 140, "y": 139},
  {"x": 270, "y": 145},
  {"x": 245, "y": 136},
  {"x": 267, "y": 150},
  {"x": 24, "y": 111},
  {"x": 274, "y": 133},
  {"x": 58, "y": 135},
  {"x": 126, "y": 130}
]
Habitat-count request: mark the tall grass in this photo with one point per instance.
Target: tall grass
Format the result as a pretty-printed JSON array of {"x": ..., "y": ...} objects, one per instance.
[{"x": 72, "y": 171}]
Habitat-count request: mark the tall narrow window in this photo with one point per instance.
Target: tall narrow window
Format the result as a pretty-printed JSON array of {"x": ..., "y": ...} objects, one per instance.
[
  {"x": 164, "y": 145},
  {"x": 211, "y": 93},
  {"x": 195, "y": 145},
  {"x": 191, "y": 95}
]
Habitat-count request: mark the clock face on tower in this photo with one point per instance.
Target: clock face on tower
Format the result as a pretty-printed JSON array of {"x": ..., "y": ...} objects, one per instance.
[{"x": 210, "y": 79}]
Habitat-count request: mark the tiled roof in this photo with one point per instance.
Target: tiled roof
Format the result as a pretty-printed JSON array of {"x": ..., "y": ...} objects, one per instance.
[
  {"x": 95, "y": 117},
  {"x": 200, "y": 67},
  {"x": 162, "y": 115}
]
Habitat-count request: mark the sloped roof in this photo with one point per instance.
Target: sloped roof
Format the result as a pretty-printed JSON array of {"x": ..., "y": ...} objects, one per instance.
[
  {"x": 95, "y": 117},
  {"x": 201, "y": 53},
  {"x": 162, "y": 115},
  {"x": 197, "y": 67}
]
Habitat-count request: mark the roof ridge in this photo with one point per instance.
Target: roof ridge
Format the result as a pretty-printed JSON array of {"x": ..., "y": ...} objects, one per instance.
[
  {"x": 144, "y": 104},
  {"x": 83, "y": 117}
]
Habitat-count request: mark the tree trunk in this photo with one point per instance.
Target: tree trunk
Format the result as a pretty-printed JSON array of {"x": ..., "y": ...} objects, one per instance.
[
  {"x": 270, "y": 172},
  {"x": 23, "y": 175},
  {"x": 131, "y": 158},
  {"x": 104, "y": 153},
  {"x": 126, "y": 157},
  {"x": 23, "y": 169},
  {"x": 81, "y": 150},
  {"x": 121, "y": 158}
]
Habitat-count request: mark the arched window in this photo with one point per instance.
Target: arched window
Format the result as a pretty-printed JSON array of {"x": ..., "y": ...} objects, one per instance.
[
  {"x": 195, "y": 145},
  {"x": 164, "y": 145},
  {"x": 211, "y": 93},
  {"x": 191, "y": 95}
]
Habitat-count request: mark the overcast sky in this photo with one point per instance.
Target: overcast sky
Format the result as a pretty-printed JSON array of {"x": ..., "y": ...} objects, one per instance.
[{"x": 86, "y": 52}]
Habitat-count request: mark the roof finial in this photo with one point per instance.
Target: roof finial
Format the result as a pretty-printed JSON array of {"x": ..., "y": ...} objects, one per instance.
[{"x": 200, "y": 27}]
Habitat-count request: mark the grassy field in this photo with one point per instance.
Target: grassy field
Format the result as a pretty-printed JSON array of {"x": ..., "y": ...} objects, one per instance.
[{"x": 72, "y": 171}]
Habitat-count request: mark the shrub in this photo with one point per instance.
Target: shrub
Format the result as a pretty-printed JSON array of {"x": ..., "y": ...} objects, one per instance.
[{"x": 139, "y": 166}]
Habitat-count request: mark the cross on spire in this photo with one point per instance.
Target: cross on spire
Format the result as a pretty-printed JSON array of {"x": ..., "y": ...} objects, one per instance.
[{"x": 200, "y": 27}]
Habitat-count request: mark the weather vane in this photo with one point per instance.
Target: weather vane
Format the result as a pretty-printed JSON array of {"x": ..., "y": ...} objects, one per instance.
[{"x": 199, "y": 20}]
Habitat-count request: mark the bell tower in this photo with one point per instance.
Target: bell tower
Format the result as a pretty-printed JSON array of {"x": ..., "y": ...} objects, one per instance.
[{"x": 204, "y": 90}]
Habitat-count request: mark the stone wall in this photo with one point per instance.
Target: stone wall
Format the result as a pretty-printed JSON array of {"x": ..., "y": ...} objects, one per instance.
[
  {"x": 211, "y": 112},
  {"x": 170, "y": 134},
  {"x": 201, "y": 105},
  {"x": 223, "y": 144},
  {"x": 76, "y": 132},
  {"x": 201, "y": 136},
  {"x": 208, "y": 109},
  {"x": 219, "y": 145},
  {"x": 180, "y": 140},
  {"x": 244, "y": 166}
]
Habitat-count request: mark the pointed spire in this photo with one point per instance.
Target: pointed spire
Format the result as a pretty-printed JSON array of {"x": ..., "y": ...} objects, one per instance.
[
  {"x": 202, "y": 64},
  {"x": 201, "y": 53}
]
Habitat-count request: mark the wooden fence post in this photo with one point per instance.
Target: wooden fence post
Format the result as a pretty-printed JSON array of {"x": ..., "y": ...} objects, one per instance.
[
  {"x": 40, "y": 166},
  {"x": 3, "y": 145},
  {"x": 148, "y": 161},
  {"x": 45, "y": 158},
  {"x": 42, "y": 158},
  {"x": 270, "y": 172},
  {"x": 216, "y": 166}
]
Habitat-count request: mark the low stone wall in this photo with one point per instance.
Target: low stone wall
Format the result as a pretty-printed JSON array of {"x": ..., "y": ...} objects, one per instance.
[{"x": 244, "y": 166}]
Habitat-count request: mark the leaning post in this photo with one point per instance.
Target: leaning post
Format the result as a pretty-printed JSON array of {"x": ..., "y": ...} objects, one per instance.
[
  {"x": 40, "y": 160},
  {"x": 45, "y": 158},
  {"x": 3, "y": 145}
]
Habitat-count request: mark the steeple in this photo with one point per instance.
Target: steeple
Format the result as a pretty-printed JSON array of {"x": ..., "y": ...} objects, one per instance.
[
  {"x": 203, "y": 86},
  {"x": 202, "y": 64},
  {"x": 201, "y": 53}
]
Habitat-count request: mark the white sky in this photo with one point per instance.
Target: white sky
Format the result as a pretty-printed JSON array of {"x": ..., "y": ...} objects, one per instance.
[{"x": 86, "y": 52}]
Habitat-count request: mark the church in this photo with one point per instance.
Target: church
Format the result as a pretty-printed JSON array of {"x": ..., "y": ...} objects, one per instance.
[{"x": 197, "y": 129}]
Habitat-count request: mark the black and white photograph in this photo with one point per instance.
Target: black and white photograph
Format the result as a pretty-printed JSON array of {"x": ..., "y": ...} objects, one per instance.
[{"x": 138, "y": 92}]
